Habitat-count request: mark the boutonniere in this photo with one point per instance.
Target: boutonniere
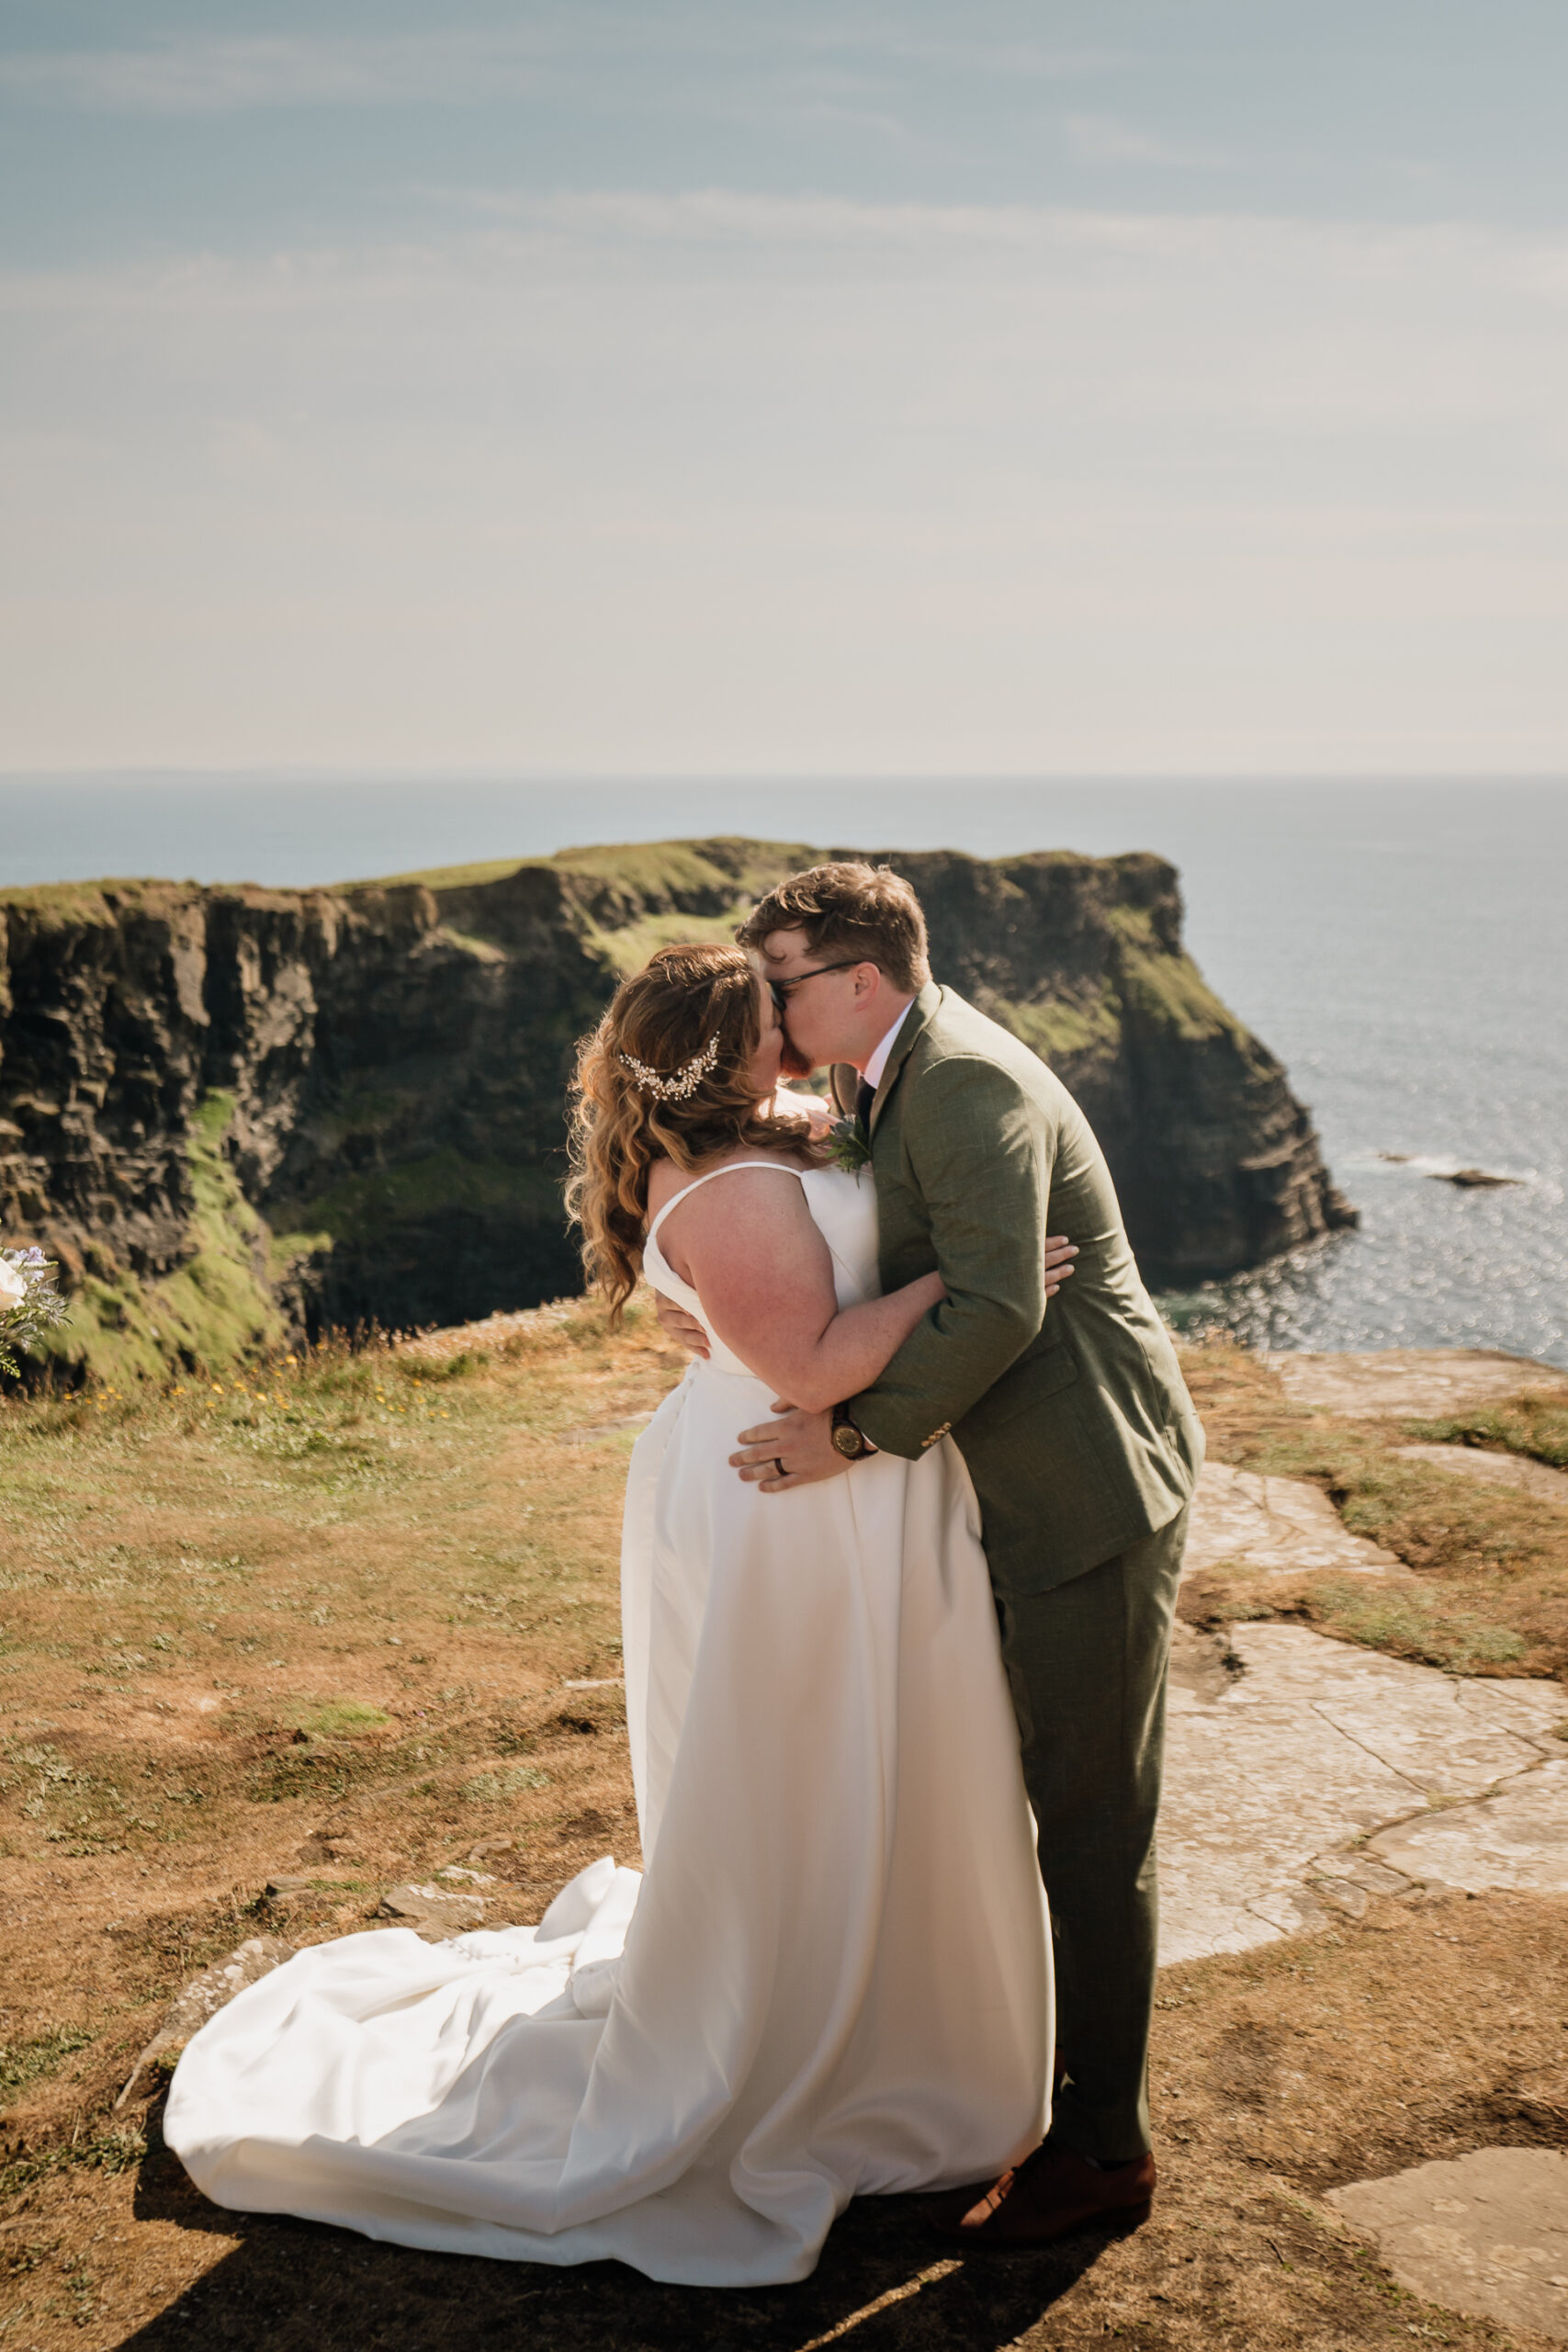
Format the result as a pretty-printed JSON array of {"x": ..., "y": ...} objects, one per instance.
[{"x": 847, "y": 1146}]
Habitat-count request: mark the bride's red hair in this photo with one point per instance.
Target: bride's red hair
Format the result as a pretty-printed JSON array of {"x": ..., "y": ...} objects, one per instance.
[{"x": 664, "y": 1018}]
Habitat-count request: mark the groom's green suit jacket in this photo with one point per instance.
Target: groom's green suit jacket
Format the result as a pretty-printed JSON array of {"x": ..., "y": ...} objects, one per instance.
[{"x": 1071, "y": 1413}]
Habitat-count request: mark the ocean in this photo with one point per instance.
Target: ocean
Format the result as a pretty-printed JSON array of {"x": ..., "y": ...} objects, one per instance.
[{"x": 1401, "y": 946}]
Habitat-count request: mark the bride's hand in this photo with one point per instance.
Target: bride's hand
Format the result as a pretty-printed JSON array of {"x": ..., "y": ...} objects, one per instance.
[
  {"x": 677, "y": 1325},
  {"x": 1059, "y": 1255}
]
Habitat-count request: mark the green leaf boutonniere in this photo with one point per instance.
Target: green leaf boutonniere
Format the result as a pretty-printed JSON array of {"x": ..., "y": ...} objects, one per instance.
[{"x": 847, "y": 1146}]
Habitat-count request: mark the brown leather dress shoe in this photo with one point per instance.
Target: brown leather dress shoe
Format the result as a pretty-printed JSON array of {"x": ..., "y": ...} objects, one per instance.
[{"x": 1049, "y": 2195}]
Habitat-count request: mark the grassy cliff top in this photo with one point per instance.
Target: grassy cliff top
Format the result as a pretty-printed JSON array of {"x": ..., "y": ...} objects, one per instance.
[
  {"x": 721, "y": 863},
  {"x": 737, "y": 863}
]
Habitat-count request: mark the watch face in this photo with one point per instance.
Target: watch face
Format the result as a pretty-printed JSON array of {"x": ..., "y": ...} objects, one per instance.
[{"x": 848, "y": 1440}]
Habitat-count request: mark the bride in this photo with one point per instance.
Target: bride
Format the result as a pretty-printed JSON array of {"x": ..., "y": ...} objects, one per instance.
[{"x": 832, "y": 1978}]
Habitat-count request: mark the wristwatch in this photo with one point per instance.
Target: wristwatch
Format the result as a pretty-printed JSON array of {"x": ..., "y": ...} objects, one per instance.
[{"x": 852, "y": 1443}]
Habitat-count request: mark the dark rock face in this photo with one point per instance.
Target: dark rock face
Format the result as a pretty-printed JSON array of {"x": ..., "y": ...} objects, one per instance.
[{"x": 232, "y": 1112}]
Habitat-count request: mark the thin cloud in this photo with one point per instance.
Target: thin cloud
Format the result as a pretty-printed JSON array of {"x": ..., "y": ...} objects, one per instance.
[
  {"x": 611, "y": 479},
  {"x": 456, "y": 65},
  {"x": 1101, "y": 139},
  {"x": 221, "y": 76}
]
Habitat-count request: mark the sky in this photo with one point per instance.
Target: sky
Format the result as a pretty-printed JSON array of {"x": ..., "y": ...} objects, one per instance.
[{"x": 765, "y": 387}]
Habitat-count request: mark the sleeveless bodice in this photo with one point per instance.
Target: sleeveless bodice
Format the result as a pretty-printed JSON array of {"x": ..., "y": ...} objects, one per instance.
[{"x": 842, "y": 1207}]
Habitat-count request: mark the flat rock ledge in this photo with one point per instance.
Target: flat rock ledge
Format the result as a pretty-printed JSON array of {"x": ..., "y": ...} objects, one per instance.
[
  {"x": 1312, "y": 1775},
  {"x": 1485, "y": 2234},
  {"x": 1274, "y": 1526},
  {"x": 1423, "y": 1383},
  {"x": 1515, "y": 1470}
]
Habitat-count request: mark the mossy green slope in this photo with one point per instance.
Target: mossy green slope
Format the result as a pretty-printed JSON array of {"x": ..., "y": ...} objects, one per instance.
[{"x": 213, "y": 1310}]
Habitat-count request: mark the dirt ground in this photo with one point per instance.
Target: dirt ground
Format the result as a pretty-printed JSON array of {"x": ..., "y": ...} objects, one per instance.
[{"x": 355, "y": 1620}]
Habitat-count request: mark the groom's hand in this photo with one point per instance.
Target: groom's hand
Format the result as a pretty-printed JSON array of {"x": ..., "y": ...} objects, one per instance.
[{"x": 801, "y": 1442}]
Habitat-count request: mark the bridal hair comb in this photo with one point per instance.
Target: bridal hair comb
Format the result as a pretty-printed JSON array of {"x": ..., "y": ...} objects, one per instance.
[{"x": 686, "y": 1080}]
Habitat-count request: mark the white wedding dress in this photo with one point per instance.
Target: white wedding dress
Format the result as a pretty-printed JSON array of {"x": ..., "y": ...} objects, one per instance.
[{"x": 832, "y": 1978}]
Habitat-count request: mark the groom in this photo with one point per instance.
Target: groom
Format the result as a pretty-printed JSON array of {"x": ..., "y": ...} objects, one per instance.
[{"x": 1083, "y": 1446}]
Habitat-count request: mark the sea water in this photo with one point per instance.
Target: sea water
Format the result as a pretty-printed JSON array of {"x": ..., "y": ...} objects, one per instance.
[{"x": 1399, "y": 946}]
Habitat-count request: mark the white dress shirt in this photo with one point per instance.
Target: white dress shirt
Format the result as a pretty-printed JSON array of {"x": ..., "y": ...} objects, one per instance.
[{"x": 878, "y": 1061}]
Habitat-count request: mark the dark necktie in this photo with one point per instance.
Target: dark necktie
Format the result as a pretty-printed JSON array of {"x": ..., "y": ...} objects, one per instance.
[{"x": 865, "y": 1095}]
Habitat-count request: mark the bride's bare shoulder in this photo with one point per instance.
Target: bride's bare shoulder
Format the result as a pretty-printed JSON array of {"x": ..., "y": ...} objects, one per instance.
[{"x": 665, "y": 1180}]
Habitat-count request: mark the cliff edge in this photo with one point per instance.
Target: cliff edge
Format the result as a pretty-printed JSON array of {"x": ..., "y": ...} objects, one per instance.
[{"x": 232, "y": 1113}]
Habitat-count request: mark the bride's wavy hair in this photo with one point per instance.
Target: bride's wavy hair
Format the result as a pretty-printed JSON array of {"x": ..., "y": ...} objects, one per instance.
[{"x": 664, "y": 1075}]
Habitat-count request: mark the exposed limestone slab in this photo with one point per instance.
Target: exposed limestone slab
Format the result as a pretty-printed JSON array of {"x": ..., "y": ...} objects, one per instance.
[
  {"x": 1423, "y": 1383},
  {"x": 1485, "y": 2234},
  {"x": 204, "y": 1996},
  {"x": 1517, "y": 1838},
  {"x": 1447, "y": 1738},
  {"x": 1274, "y": 1526},
  {"x": 442, "y": 1907},
  {"x": 1515, "y": 1470},
  {"x": 1339, "y": 1870},
  {"x": 1292, "y": 1783},
  {"x": 1257, "y": 1785},
  {"x": 1537, "y": 1711}
]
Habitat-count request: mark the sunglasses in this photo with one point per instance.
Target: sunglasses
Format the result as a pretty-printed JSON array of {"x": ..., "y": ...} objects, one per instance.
[{"x": 780, "y": 990}]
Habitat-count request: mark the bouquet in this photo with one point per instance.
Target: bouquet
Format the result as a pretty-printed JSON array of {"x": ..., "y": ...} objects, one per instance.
[{"x": 28, "y": 1302}]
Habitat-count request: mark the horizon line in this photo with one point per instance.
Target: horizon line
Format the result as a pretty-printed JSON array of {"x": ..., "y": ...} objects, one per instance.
[{"x": 890, "y": 778}]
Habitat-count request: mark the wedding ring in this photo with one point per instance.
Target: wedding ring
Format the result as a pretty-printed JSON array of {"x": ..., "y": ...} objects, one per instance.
[{"x": 778, "y": 1465}]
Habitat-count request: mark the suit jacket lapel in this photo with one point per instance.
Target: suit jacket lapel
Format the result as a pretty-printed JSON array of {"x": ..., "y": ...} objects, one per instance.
[
  {"x": 915, "y": 1020},
  {"x": 843, "y": 1078}
]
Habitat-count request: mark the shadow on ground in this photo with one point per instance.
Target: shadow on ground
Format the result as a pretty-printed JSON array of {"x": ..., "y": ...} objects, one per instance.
[{"x": 882, "y": 2283}]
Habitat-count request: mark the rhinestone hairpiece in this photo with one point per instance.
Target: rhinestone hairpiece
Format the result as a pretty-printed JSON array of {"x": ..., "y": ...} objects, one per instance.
[{"x": 685, "y": 1082}]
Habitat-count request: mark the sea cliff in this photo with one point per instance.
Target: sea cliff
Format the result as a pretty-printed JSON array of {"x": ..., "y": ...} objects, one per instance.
[{"x": 234, "y": 1112}]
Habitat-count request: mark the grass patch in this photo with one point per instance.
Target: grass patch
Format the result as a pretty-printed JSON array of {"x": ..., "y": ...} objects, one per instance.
[
  {"x": 628, "y": 948},
  {"x": 105, "y": 2151},
  {"x": 1436, "y": 1521},
  {"x": 485, "y": 1788},
  {"x": 1431, "y": 1629},
  {"x": 1168, "y": 989},
  {"x": 339, "y": 1719},
  {"x": 737, "y": 868},
  {"x": 22, "y": 2062},
  {"x": 1487, "y": 1588},
  {"x": 1064, "y": 1032},
  {"x": 1536, "y": 1426}
]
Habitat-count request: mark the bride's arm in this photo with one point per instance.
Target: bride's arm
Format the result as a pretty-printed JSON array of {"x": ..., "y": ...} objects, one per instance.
[{"x": 765, "y": 1279}]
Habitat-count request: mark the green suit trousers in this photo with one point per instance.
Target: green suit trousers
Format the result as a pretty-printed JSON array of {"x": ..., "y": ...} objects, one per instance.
[{"x": 1087, "y": 1662}]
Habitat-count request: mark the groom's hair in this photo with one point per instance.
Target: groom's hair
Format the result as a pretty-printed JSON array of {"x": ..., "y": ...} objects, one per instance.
[{"x": 849, "y": 909}]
